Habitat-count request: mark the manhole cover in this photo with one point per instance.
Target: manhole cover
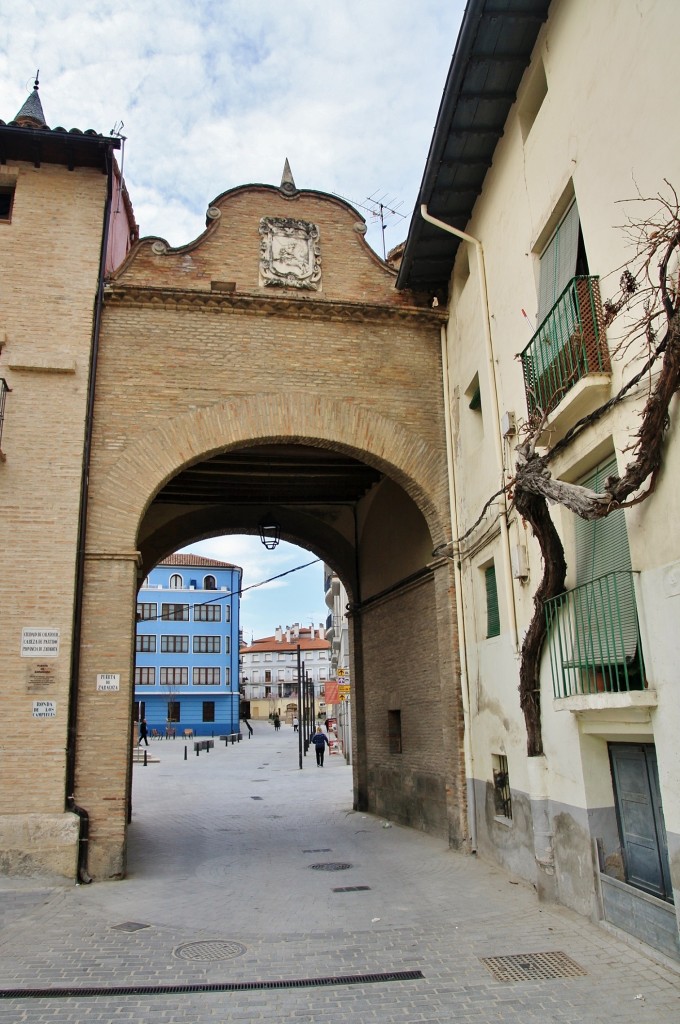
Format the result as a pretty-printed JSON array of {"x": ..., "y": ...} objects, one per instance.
[
  {"x": 331, "y": 866},
  {"x": 532, "y": 966},
  {"x": 213, "y": 949},
  {"x": 129, "y": 926}
]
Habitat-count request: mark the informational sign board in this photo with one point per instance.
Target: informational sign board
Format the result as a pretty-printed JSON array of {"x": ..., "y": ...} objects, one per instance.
[
  {"x": 108, "y": 681},
  {"x": 44, "y": 709},
  {"x": 40, "y": 676},
  {"x": 39, "y": 643}
]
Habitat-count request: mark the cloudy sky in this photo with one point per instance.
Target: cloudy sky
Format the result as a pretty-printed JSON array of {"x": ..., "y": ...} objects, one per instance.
[{"x": 213, "y": 94}]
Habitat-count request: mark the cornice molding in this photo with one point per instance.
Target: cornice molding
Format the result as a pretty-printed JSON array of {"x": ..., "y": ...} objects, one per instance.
[{"x": 293, "y": 307}]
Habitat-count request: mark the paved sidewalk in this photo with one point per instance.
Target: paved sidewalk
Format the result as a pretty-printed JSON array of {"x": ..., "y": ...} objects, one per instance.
[{"x": 235, "y": 862}]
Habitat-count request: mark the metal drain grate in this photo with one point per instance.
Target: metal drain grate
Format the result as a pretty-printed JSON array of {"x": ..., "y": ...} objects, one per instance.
[
  {"x": 213, "y": 949},
  {"x": 331, "y": 866},
  {"x": 532, "y": 966},
  {"x": 129, "y": 926},
  {"x": 216, "y": 986},
  {"x": 352, "y": 888},
  {"x": 325, "y": 849}
]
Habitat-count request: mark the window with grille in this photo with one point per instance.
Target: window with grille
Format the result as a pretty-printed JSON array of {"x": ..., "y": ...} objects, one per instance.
[
  {"x": 146, "y": 610},
  {"x": 501, "y": 786},
  {"x": 206, "y": 676},
  {"x": 207, "y": 613},
  {"x": 145, "y": 676},
  {"x": 145, "y": 643},
  {"x": 207, "y": 644},
  {"x": 174, "y": 676},
  {"x": 493, "y": 619},
  {"x": 175, "y": 612},
  {"x": 174, "y": 644}
]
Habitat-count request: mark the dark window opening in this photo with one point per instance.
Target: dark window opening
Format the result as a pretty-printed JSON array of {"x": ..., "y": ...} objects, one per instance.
[
  {"x": 208, "y": 710},
  {"x": 394, "y": 731},
  {"x": 173, "y": 711}
]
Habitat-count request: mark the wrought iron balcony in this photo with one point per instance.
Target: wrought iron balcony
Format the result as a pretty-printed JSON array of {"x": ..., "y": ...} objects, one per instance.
[
  {"x": 569, "y": 344},
  {"x": 594, "y": 638}
]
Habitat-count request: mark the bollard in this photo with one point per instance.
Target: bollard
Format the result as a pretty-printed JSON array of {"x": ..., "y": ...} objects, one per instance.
[
  {"x": 145, "y": 755},
  {"x": 185, "y": 752}
]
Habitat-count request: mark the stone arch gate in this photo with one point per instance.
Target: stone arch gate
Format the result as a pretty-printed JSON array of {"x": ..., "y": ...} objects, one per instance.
[{"x": 276, "y": 342}]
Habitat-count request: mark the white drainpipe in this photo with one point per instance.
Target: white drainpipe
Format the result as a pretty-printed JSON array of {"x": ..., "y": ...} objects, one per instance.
[
  {"x": 460, "y": 614},
  {"x": 491, "y": 373}
]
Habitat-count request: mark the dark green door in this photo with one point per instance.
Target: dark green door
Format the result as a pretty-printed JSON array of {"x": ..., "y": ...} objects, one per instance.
[{"x": 640, "y": 817}]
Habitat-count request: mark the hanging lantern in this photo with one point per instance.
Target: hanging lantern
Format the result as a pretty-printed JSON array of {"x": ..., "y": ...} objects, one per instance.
[{"x": 270, "y": 533}]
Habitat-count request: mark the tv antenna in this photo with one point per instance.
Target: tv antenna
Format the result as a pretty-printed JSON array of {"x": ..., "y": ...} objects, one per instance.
[{"x": 381, "y": 206}]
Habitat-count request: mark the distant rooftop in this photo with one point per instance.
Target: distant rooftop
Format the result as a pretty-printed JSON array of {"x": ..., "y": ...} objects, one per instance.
[{"x": 196, "y": 561}]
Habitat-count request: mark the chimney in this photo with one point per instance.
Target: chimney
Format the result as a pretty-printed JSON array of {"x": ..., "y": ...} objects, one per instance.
[
  {"x": 279, "y": 634},
  {"x": 288, "y": 633}
]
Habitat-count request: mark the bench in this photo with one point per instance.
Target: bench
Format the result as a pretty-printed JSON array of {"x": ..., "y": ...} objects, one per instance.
[
  {"x": 200, "y": 745},
  {"x": 232, "y": 737}
]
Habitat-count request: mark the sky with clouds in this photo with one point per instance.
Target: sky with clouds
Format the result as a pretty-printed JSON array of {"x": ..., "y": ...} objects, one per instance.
[{"x": 213, "y": 94}]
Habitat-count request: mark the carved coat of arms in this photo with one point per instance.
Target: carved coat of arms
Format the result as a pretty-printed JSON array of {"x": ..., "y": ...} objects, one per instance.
[{"x": 290, "y": 255}]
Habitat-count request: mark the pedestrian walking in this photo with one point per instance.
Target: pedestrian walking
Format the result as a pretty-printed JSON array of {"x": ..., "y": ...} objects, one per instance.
[
  {"x": 143, "y": 733},
  {"x": 295, "y": 724},
  {"x": 320, "y": 741}
]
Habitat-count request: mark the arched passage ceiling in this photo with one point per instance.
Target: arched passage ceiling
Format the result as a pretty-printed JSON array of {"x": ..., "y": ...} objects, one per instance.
[{"x": 287, "y": 474}]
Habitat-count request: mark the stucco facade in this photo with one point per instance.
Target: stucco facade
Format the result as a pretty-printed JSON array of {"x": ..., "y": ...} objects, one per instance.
[{"x": 581, "y": 131}]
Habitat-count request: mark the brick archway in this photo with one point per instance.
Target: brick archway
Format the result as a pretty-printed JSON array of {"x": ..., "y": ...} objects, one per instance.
[{"x": 118, "y": 504}]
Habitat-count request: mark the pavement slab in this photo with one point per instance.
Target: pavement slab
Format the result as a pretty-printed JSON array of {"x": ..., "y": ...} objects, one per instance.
[{"x": 254, "y": 892}]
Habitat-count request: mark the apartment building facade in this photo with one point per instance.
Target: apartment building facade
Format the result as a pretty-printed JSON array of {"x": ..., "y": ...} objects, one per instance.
[
  {"x": 186, "y": 651},
  {"x": 269, "y": 670}
]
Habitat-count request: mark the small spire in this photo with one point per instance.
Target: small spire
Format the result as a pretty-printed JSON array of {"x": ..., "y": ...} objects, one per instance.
[
  {"x": 31, "y": 114},
  {"x": 287, "y": 183}
]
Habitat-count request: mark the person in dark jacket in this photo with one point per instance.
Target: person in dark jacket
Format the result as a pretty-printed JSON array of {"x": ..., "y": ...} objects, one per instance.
[
  {"x": 143, "y": 733},
  {"x": 320, "y": 741}
]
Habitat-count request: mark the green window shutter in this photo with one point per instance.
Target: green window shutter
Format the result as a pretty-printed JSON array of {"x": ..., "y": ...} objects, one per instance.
[
  {"x": 493, "y": 619},
  {"x": 605, "y": 613},
  {"x": 558, "y": 262}
]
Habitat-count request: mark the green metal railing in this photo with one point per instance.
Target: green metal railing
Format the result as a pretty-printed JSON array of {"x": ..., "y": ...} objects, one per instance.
[
  {"x": 594, "y": 638},
  {"x": 568, "y": 345}
]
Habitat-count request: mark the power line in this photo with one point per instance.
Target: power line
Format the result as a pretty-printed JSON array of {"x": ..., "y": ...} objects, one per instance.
[{"x": 233, "y": 593}]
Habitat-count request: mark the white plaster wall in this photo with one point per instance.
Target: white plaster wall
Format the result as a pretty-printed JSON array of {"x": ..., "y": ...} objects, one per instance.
[{"x": 605, "y": 131}]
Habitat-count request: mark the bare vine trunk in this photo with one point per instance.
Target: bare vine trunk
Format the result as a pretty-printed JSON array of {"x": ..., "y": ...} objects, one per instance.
[{"x": 534, "y": 508}]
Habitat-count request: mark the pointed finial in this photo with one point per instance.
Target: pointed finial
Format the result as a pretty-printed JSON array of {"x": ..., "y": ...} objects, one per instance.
[
  {"x": 31, "y": 114},
  {"x": 287, "y": 183}
]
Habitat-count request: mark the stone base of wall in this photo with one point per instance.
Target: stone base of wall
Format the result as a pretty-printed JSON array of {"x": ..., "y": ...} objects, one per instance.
[
  {"x": 44, "y": 845},
  {"x": 409, "y": 798},
  {"x": 649, "y": 919}
]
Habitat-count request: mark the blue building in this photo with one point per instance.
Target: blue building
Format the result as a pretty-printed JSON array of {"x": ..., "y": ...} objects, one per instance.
[{"x": 186, "y": 665}]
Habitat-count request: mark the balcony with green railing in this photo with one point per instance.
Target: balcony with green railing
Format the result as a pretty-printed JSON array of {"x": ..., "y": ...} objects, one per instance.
[
  {"x": 594, "y": 638},
  {"x": 569, "y": 344}
]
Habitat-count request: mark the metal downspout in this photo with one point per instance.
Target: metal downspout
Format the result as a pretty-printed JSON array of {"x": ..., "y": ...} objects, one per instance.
[
  {"x": 72, "y": 727},
  {"x": 491, "y": 373},
  {"x": 460, "y": 614}
]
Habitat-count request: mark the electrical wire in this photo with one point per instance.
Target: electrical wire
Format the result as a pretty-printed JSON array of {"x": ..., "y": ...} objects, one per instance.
[{"x": 232, "y": 593}]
